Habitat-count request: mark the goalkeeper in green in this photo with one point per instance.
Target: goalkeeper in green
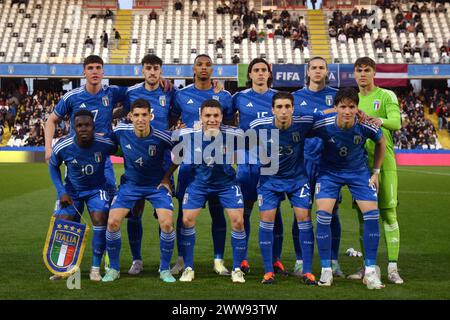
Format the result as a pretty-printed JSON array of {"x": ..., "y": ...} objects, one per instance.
[{"x": 382, "y": 105}]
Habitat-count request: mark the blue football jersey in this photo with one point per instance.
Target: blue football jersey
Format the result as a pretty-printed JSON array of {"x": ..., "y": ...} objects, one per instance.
[
  {"x": 85, "y": 166},
  {"x": 100, "y": 104},
  {"x": 344, "y": 149},
  {"x": 160, "y": 103},
  {"x": 209, "y": 169},
  {"x": 143, "y": 157},
  {"x": 306, "y": 100},
  {"x": 189, "y": 100},
  {"x": 290, "y": 152},
  {"x": 252, "y": 105}
]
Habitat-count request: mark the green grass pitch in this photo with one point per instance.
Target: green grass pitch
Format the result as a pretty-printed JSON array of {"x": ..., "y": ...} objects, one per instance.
[{"x": 26, "y": 204}]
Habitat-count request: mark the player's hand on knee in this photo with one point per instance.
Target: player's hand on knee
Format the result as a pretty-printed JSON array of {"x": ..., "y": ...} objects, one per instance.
[
  {"x": 373, "y": 182},
  {"x": 65, "y": 200}
]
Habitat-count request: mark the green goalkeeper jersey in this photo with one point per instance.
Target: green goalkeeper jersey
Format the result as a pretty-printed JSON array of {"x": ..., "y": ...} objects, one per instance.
[{"x": 382, "y": 103}]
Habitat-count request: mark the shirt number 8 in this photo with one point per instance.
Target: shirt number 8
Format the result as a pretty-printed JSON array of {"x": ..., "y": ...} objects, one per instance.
[{"x": 343, "y": 151}]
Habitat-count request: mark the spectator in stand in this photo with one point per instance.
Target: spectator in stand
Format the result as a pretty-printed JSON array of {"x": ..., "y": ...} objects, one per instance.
[
  {"x": 286, "y": 33},
  {"x": 299, "y": 43},
  {"x": 407, "y": 48},
  {"x": 417, "y": 49},
  {"x": 426, "y": 50},
  {"x": 236, "y": 36},
  {"x": 220, "y": 44},
  {"x": 219, "y": 9},
  {"x": 235, "y": 59},
  {"x": 379, "y": 44},
  {"x": 384, "y": 23},
  {"x": 253, "y": 35},
  {"x": 415, "y": 7},
  {"x": 445, "y": 59},
  {"x": 104, "y": 38},
  {"x": 387, "y": 44},
  {"x": 153, "y": 15},
  {"x": 178, "y": 5},
  {"x": 332, "y": 32},
  {"x": 88, "y": 43},
  {"x": 278, "y": 33},
  {"x": 342, "y": 38}
]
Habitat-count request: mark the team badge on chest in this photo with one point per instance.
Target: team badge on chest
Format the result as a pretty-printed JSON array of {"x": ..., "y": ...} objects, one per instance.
[
  {"x": 329, "y": 100},
  {"x": 296, "y": 136},
  {"x": 376, "y": 105},
  {"x": 357, "y": 139},
  {"x": 151, "y": 150},
  {"x": 98, "y": 157},
  {"x": 162, "y": 101},
  {"x": 105, "y": 101}
]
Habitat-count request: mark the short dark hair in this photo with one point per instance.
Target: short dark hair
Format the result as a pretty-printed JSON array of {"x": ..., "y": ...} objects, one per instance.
[
  {"x": 202, "y": 55},
  {"x": 282, "y": 95},
  {"x": 365, "y": 61},
  {"x": 140, "y": 103},
  {"x": 92, "y": 59},
  {"x": 211, "y": 103},
  {"x": 83, "y": 112},
  {"x": 250, "y": 67},
  {"x": 307, "y": 79},
  {"x": 151, "y": 59},
  {"x": 346, "y": 93}
]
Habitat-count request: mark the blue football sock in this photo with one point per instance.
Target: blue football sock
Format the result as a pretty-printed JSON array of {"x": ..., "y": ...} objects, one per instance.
[
  {"x": 239, "y": 247},
  {"x": 218, "y": 230},
  {"x": 113, "y": 245},
  {"x": 323, "y": 237},
  {"x": 266, "y": 243},
  {"x": 335, "y": 234},
  {"x": 188, "y": 243},
  {"x": 178, "y": 231},
  {"x": 277, "y": 236},
  {"x": 247, "y": 213},
  {"x": 306, "y": 236},
  {"x": 134, "y": 228},
  {"x": 296, "y": 239},
  {"x": 98, "y": 245},
  {"x": 371, "y": 236},
  {"x": 166, "y": 244}
]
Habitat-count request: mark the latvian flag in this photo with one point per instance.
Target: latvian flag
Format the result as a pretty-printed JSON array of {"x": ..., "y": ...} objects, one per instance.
[{"x": 391, "y": 75}]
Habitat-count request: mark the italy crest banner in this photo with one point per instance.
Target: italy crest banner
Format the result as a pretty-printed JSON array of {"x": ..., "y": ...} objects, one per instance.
[{"x": 64, "y": 246}]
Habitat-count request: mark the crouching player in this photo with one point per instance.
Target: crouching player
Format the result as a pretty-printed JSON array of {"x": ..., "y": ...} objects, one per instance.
[
  {"x": 209, "y": 152},
  {"x": 344, "y": 162},
  {"x": 84, "y": 155},
  {"x": 143, "y": 150},
  {"x": 290, "y": 179}
]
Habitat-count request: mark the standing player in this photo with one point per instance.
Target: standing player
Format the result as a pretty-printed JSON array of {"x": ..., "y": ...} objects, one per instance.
[
  {"x": 98, "y": 99},
  {"x": 290, "y": 180},
  {"x": 143, "y": 150},
  {"x": 84, "y": 156},
  {"x": 212, "y": 175},
  {"x": 161, "y": 104},
  {"x": 344, "y": 162},
  {"x": 255, "y": 103},
  {"x": 316, "y": 96},
  {"x": 187, "y": 106},
  {"x": 383, "y": 105}
]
